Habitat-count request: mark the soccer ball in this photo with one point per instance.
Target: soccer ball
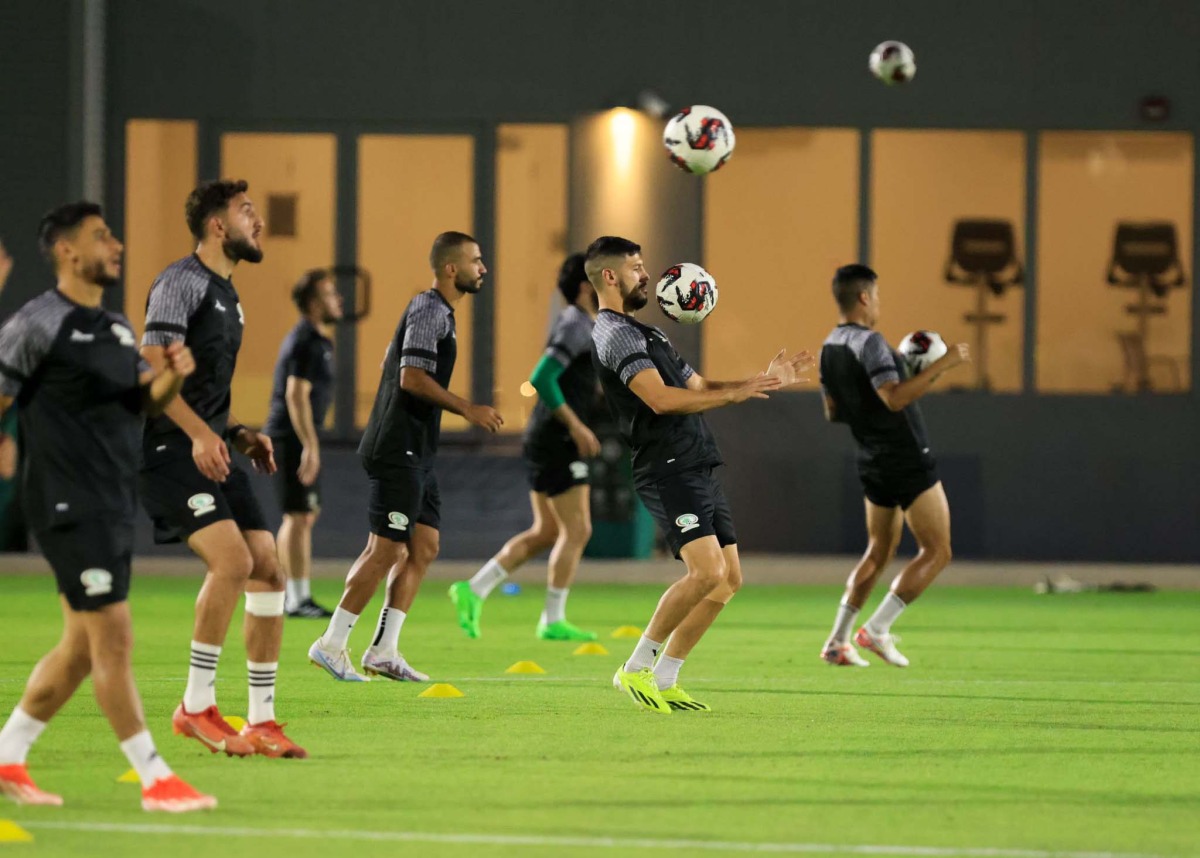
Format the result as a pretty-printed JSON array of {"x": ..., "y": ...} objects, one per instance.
[
  {"x": 920, "y": 349},
  {"x": 687, "y": 293},
  {"x": 893, "y": 63},
  {"x": 699, "y": 139}
]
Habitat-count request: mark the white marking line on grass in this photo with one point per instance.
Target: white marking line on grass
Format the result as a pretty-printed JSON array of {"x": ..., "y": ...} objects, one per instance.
[{"x": 573, "y": 842}]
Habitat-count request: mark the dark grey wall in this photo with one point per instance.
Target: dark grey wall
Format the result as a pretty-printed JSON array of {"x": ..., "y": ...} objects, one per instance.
[{"x": 34, "y": 131}]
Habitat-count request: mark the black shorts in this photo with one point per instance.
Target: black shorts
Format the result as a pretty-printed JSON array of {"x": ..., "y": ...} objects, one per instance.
[
  {"x": 399, "y": 497},
  {"x": 688, "y": 506},
  {"x": 555, "y": 469},
  {"x": 181, "y": 500},
  {"x": 294, "y": 496},
  {"x": 897, "y": 488},
  {"x": 91, "y": 561}
]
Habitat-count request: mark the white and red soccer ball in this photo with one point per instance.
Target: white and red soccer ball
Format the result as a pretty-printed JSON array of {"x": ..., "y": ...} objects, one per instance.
[
  {"x": 699, "y": 139},
  {"x": 686, "y": 293},
  {"x": 920, "y": 349},
  {"x": 893, "y": 63}
]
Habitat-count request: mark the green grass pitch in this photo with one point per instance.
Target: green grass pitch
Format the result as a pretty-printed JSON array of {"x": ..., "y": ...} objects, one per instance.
[{"x": 1048, "y": 724}]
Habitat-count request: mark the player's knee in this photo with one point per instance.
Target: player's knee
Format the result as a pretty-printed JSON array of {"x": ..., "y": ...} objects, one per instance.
[
  {"x": 237, "y": 565},
  {"x": 733, "y": 579},
  {"x": 543, "y": 536},
  {"x": 425, "y": 553},
  {"x": 712, "y": 573},
  {"x": 581, "y": 532},
  {"x": 386, "y": 552},
  {"x": 268, "y": 572}
]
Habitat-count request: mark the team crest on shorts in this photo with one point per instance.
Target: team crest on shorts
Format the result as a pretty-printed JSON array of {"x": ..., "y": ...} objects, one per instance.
[
  {"x": 313, "y": 501},
  {"x": 397, "y": 521},
  {"x": 96, "y": 582},
  {"x": 687, "y": 522},
  {"x": 202, "y": 504},
  {"x": 579, "y": 470}
]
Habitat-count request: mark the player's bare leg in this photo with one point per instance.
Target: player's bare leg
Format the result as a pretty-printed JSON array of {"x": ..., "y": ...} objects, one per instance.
[
  {"x": 295, "y": 557},
  {"x": 929, "y": 520},
  {"x": 572, "y": 512},
  {"x": 689, "y": 633},
  {"x": 884, "y": 527},
  {"x": 225, "y": 553},
  {"x": 468, "y": 596},
  {"x": 404, "y": 581},
  {"x": 331, "y": 650},
  {"x": 707, "y": 569}
]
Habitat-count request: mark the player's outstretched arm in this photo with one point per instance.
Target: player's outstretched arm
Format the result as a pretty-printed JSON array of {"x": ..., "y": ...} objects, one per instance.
[
  {"x": 545, "y": 381},
  {"x": 208, "y": 448},
  {"x": 898, "y": 395},
  {"x": 661, "y": 398},
  {"x": 417, "y": 382}
]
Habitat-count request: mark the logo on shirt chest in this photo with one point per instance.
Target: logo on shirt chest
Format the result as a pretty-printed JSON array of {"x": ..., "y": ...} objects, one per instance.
[{"x": 124, "y": 336}]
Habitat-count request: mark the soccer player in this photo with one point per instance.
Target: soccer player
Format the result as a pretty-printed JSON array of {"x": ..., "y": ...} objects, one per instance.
[
  {"x": 558, "y": 444},
  {"x": 74, "y": 368},
  {"x": 300, "y": 398},
  {"x": 657, "y": 400},
  {"x": 398, "y": 450},
  {"x": 195, "y": 492},
  {"x": 866, "y": 387}
]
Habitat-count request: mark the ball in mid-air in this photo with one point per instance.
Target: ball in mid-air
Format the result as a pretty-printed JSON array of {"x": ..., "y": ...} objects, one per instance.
[
  {"x": 699, "y": 139},
  {"x": 686, "y": 292},
  {"x": 893, "y": 63},
  {"x": 920, "y": 349}
]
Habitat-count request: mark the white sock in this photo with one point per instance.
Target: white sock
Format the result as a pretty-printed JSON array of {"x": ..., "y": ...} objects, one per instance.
[
  {"x": 337, "y": 636},
  {"x": 889, "y": 609},
  {"x": 643, "y": 654},
  {"x": 843, "y": 624},
  {"x": 556, "y": 605},
  {"x": 201, "y": 691},
  {"x": 387, "y": 634},
  {"x": 485, "y": 580},
  {"x": 305, "y": 586},
  {"x": 666, "y": 671},
  {"x": 293, "y": 595},
  {"x": 144, "y": 758},
  {"x": 20, "y": 731},
  {"x": 262, "y": 690}
]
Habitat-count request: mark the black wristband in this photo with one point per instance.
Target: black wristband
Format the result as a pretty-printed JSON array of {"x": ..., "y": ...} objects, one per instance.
[{"x": 233, "y": 431}]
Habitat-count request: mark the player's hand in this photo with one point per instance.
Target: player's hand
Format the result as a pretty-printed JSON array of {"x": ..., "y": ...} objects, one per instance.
[
  {"x": 484, "y": 416},
  {"x": 755, "y": 388},
  {"x": 310, "y": 466},
  {"x": 258, "y": 448},
  {"x": 791, "y": 370},
  {"x": 211, "y": 456},
  {"x": 8, "y": 457},
  {"x": 957, "y": 354},
  {"x": 6, "y": 265},
  {"x": 585, "y": 441},
  {"x": 179, "y": 359}
]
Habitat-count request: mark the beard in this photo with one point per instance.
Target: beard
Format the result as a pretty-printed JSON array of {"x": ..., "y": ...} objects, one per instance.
[
  {"x": 468, "y": 287},
  {"x": 635, "y": 299},
  {"x": 240, "y": 249},
  {"x": 97, "y": 273}
]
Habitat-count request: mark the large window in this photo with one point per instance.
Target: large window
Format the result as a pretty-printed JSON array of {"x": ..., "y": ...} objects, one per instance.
[
  {"x": 531, "y": 233},
  {"x": 777, "y": 222},
  {"x": 1102, "y": 194},
  {"x": 926, "y": 188},
  {"x": 410, "y": 188}
]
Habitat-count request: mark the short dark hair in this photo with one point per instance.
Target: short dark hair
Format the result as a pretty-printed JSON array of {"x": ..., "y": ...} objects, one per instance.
[
  {"x": 571, "y": 275},
  {"x": 849, "y": 282},
  {"x": 445, "y": 245},
  {"x": 306, "y": 287},
  {"x": 208, "y": 199},
  {"x": 64, "y": 220},
  {"x": 606, "y": 247}
]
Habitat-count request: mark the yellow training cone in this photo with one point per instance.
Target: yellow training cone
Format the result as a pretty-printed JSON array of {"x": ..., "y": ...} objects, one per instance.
[
  {"x": 441, "y": 689},
  {"x": 525, "y": 667},
  {"x": 130, "y": 777},
  {"x": 590, "y": 649},
  {"x": 627, "y": 632},
  {"x": 237, "y": 722},
  {"x": 10, "y": 832}
]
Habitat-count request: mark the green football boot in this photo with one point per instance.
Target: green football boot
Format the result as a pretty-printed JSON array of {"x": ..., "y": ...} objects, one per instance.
[
  {"x": 468, "y": 606},
  {"x": 563, "y": 630},
  {"x": 642, "y": 688},
  {"x": 681, "y": 701}
]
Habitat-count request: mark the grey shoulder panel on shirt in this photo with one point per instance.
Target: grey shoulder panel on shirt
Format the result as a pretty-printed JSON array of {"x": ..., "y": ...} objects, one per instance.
[
  {"x": 571, "y": 335},
  {"x": 27, "y": 337},
  {"x": 174, "y": 296}
]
